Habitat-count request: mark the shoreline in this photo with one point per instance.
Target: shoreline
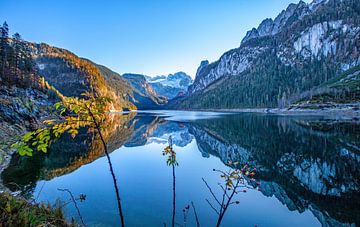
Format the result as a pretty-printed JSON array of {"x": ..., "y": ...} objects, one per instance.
[
  {"x": 283, "y": 111},
  {"x": 334, "y": 113},
  {"x": 342, "y": 111}
]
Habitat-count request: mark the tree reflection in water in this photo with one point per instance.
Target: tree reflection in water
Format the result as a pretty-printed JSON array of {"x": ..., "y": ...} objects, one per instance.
[{"x": 308, "y": 164}]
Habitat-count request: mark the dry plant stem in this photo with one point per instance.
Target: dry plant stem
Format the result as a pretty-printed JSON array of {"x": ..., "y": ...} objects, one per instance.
[
  {"x": 225, "y": 200},
  {"x": 111, "y": 168},
  {"x": 226, "y": 206},
  {"x": 75, "y": 204}
]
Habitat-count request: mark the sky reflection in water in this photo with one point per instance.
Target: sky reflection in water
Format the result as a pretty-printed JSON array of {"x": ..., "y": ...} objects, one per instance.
[{"x": 277, "y": 146}]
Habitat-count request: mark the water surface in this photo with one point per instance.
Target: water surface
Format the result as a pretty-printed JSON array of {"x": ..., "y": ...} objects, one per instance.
[{"x": 308, "y": 169}]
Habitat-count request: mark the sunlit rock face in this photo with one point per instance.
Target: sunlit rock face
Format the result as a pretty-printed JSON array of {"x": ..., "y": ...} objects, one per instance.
[
  {"x": 322, "y": 40},
  {"x": 73, "y": 75}
]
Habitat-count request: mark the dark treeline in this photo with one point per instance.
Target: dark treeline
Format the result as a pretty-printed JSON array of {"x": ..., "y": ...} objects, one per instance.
[{"x": 16, "y": 65}]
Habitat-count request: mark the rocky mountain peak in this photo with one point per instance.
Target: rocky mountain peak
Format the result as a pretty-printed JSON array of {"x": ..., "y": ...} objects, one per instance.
[
  {"x": 202, "y": 65},
  {"x": 265, "y": 27},
  {"x": 294, "y": 11},
  {"x": 171, "y": 85}
]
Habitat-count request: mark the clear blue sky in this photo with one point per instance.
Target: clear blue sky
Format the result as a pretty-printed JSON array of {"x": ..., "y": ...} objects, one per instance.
[{"x": 151, "y": 36}]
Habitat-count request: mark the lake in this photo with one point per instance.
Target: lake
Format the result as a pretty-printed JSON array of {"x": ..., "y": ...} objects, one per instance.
[{"x": 308, "y": 170}]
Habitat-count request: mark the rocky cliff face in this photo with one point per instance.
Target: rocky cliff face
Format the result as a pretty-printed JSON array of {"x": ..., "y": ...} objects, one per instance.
[
  {"x": 275, "y": 60},
  {"x": 171, "y": 85},
  {"x": 233, "y": 62},
  {"x": 270, "y": 27}
]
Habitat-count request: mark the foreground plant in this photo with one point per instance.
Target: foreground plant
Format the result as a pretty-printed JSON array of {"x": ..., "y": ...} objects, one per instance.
[
  {"x": 235, "y": 181},
  {"x": 88, "y": 112},
  {"x": 171, "y": 161}
]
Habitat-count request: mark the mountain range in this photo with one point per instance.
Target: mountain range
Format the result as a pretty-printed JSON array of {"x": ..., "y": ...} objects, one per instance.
[
  {"x": 172, "y": 85},
  {"x": 155, "y": 92},
  {"x": 308, "y": 55},
  {"x": 303, "y": 48}
]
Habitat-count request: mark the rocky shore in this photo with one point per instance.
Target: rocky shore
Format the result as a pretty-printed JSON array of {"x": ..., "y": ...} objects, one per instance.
[{"x": 21, "y": 110}]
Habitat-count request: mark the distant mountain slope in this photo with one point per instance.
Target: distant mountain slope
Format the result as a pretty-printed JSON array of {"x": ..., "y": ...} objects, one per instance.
[
  {"x": 144, "y": 96},
  {"x": 72, "y": 75},
  {"x": 172, "y": 85},
  {"x": 304, "y": 46}
]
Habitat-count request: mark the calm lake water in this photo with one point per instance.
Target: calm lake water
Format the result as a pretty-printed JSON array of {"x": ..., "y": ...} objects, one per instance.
[{"x": 308, "y": 169}]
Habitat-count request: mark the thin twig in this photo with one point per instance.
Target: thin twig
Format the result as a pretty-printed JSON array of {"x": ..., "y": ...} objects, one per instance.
[
  {"x": 195, "y": 213},
  {"x": 212, "y": 193},
  {"x": 224, "y": 189},
  {"x": 212, "y": 206},
  {"x": 75, "y": 203}
]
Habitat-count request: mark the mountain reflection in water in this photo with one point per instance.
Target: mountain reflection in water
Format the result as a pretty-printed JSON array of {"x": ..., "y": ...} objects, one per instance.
[{"x": 311, "y": 165}]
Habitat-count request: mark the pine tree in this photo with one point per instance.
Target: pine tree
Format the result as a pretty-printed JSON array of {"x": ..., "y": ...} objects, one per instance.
[
  {"x": 18, "y": 54},
  {"x": 4, "y": 47}
]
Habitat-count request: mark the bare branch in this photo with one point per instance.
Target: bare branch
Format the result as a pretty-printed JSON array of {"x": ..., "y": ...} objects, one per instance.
[
  {"x": 212, "y": 193},
  {"x": 225, "y": 191},
  {"x": 212, "y": 206}
]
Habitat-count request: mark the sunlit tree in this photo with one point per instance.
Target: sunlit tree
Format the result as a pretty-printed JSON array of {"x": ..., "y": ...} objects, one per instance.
[{"x": 88, "y": 112}]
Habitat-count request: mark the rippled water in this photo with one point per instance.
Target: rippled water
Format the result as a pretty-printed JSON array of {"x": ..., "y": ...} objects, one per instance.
[{"x": 308, "y": 169}]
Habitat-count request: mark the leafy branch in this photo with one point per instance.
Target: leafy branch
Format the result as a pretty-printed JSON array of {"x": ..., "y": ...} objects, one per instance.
[{"x": 235, "y": 181}]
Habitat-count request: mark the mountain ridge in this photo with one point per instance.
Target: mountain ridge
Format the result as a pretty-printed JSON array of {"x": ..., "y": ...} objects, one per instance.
[
  {"x": 144, "y": 96},
  {"x": 275, "y": 62}
]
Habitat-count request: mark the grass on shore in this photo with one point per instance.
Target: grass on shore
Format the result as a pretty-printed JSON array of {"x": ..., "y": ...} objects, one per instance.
[{"x": 16, "y": 211}]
